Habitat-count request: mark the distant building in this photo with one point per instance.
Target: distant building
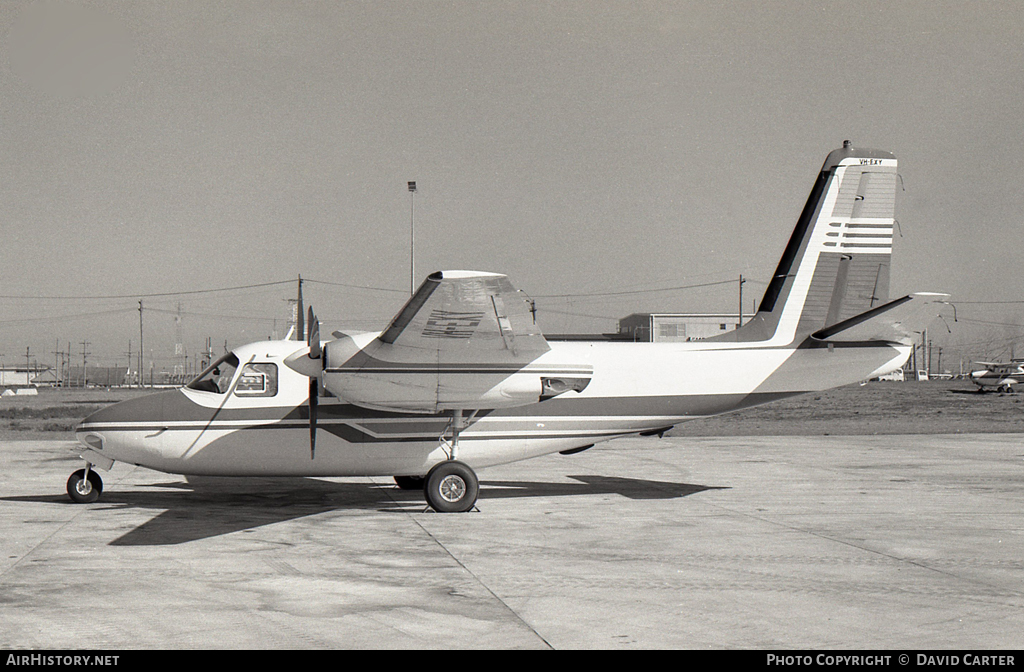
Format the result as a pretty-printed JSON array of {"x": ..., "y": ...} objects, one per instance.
[
  {"x": 97, "y": 376},
  {"x": 677, "y": 327},
  {"x": 23, "y": 376}
]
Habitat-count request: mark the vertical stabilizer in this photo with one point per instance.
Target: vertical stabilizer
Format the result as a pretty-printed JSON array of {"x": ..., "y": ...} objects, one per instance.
[{"x": 836, "y": 264}]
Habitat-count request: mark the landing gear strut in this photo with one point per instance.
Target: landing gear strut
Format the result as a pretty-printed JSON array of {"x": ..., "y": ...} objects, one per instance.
[
  {"x": 85, "y": 486},
  {"x": 452, "y": 486}
]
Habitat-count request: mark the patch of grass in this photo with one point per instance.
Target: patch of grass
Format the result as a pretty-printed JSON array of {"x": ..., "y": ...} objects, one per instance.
[{"x": 78, "y": 411}]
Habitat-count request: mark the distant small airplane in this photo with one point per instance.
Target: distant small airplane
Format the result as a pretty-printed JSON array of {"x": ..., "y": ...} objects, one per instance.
[
  {"x": 463, "y": 378},
  {"x": 1000, "y": 375}
]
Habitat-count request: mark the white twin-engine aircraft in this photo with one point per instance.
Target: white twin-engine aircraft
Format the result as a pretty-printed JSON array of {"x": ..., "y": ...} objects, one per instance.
[{"x": 463, "y": 378}]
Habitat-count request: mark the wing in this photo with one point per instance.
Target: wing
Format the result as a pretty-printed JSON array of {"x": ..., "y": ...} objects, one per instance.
[
  {"x": 465, "y": 340},
  {"x": 898, "y": 321}
]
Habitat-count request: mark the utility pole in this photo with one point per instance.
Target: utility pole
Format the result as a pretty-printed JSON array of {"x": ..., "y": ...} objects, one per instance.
[
  {"x": 28, "y": 368},
  {"x": 179, "y": 349},
  {"x": 412, "y": 238},
  {"x": 56, "y": 364},
  {"x": 924, "y": 353},
  {"x": 928, "y": 360},
  {"x": 913, "y": 360},
  {"x": 85, "y": 370},
  {"x": 128, "y": 371}
]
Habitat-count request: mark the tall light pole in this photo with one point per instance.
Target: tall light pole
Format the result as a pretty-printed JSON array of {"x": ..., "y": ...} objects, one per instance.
[
  {"x": 412, "y": 238},
  {"x": 739, "y": 323},
  {"x": 141, "y": 345}
]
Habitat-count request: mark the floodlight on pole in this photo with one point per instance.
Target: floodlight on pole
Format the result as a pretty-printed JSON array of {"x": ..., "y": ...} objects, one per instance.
[{"x": 412, "y": 238}]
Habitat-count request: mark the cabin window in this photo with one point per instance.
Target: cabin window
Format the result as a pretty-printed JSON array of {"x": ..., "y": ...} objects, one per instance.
[
  {"x": 257, "y": 380},
  {"x": 217, "y": 377}
]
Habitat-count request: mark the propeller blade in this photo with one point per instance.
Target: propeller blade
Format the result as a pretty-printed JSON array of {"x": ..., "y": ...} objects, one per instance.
[
  {"x": 314, "y": 393},
  {"x": 315, "y": 355},
  {"x": 314, "y": 335}
]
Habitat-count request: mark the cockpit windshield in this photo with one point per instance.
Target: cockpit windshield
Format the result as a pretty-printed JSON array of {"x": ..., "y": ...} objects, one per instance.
[{"x": 217, "y": 377}]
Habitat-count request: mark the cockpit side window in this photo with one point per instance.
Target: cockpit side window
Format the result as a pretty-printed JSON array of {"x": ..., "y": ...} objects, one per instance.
[
  {"x": 257, "y": 380},
  {"x": 217, "y": 377}
]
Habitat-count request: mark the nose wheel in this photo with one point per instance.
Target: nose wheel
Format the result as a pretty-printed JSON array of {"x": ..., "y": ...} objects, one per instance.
[
  {"x": 85, "y": 486},
  {"x": 451, "y": 487}
]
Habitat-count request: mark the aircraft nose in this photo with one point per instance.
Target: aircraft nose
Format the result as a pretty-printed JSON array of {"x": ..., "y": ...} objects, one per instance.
[{"x": 147, "y": 413}]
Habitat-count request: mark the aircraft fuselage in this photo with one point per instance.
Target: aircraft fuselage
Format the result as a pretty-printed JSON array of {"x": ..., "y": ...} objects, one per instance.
[{"x": 636, "y": 387}]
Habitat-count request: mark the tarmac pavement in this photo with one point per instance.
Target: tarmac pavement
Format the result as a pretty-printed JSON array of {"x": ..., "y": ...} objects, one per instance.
[{"x": 813, "y": 542}]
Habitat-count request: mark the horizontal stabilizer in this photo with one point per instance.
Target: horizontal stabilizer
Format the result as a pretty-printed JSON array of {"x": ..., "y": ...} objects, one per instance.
[{"x": 898, "y": 321}]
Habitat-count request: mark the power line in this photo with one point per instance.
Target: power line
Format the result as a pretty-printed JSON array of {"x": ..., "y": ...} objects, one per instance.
[
  {"x": 635, "y": 291},
  {"x": 144, "y": 296},
  {"x": 28, "y": 320},
  {"x": 225, "y": 316},
  {"x": 106, "y": 297},
  {"x": 990, "y": 322},
  {"x": 343, "y": 284}
]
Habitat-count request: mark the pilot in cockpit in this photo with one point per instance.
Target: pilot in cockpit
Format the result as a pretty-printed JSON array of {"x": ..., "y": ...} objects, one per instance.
[
  {"x": 208, "y": 384},
  {"x": 216, "y": 378}
]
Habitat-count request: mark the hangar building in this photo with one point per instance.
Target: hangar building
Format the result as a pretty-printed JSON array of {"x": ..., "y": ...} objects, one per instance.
[{"x": 677, "y": 327}]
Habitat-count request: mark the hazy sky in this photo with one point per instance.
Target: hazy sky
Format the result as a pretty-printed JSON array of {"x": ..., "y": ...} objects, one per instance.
[{"x": 584, "y": 148}]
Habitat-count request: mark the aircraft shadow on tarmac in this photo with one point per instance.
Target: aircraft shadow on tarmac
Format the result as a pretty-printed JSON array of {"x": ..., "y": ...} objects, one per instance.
[{"x": 210, "y": 507}]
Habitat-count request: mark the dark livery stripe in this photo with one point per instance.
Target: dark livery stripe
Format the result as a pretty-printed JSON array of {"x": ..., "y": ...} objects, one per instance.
[
  {"x": 460, "y": 369},
  {"x": 352, "y": 434}
]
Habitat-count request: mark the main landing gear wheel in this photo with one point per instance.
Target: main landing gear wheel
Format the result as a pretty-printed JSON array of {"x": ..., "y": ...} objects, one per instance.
[
  {"x": 410, "y": 482},
  {"x": 85, "y": 490},
  {"x": 451, "y": 487}
]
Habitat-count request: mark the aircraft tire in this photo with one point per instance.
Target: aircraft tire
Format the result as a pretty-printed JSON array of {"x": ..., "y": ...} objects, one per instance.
[
  {"x": 451, "y": 487},
  {"x": 410, "y": 482},
  {"x": 83, "y": 491}
]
